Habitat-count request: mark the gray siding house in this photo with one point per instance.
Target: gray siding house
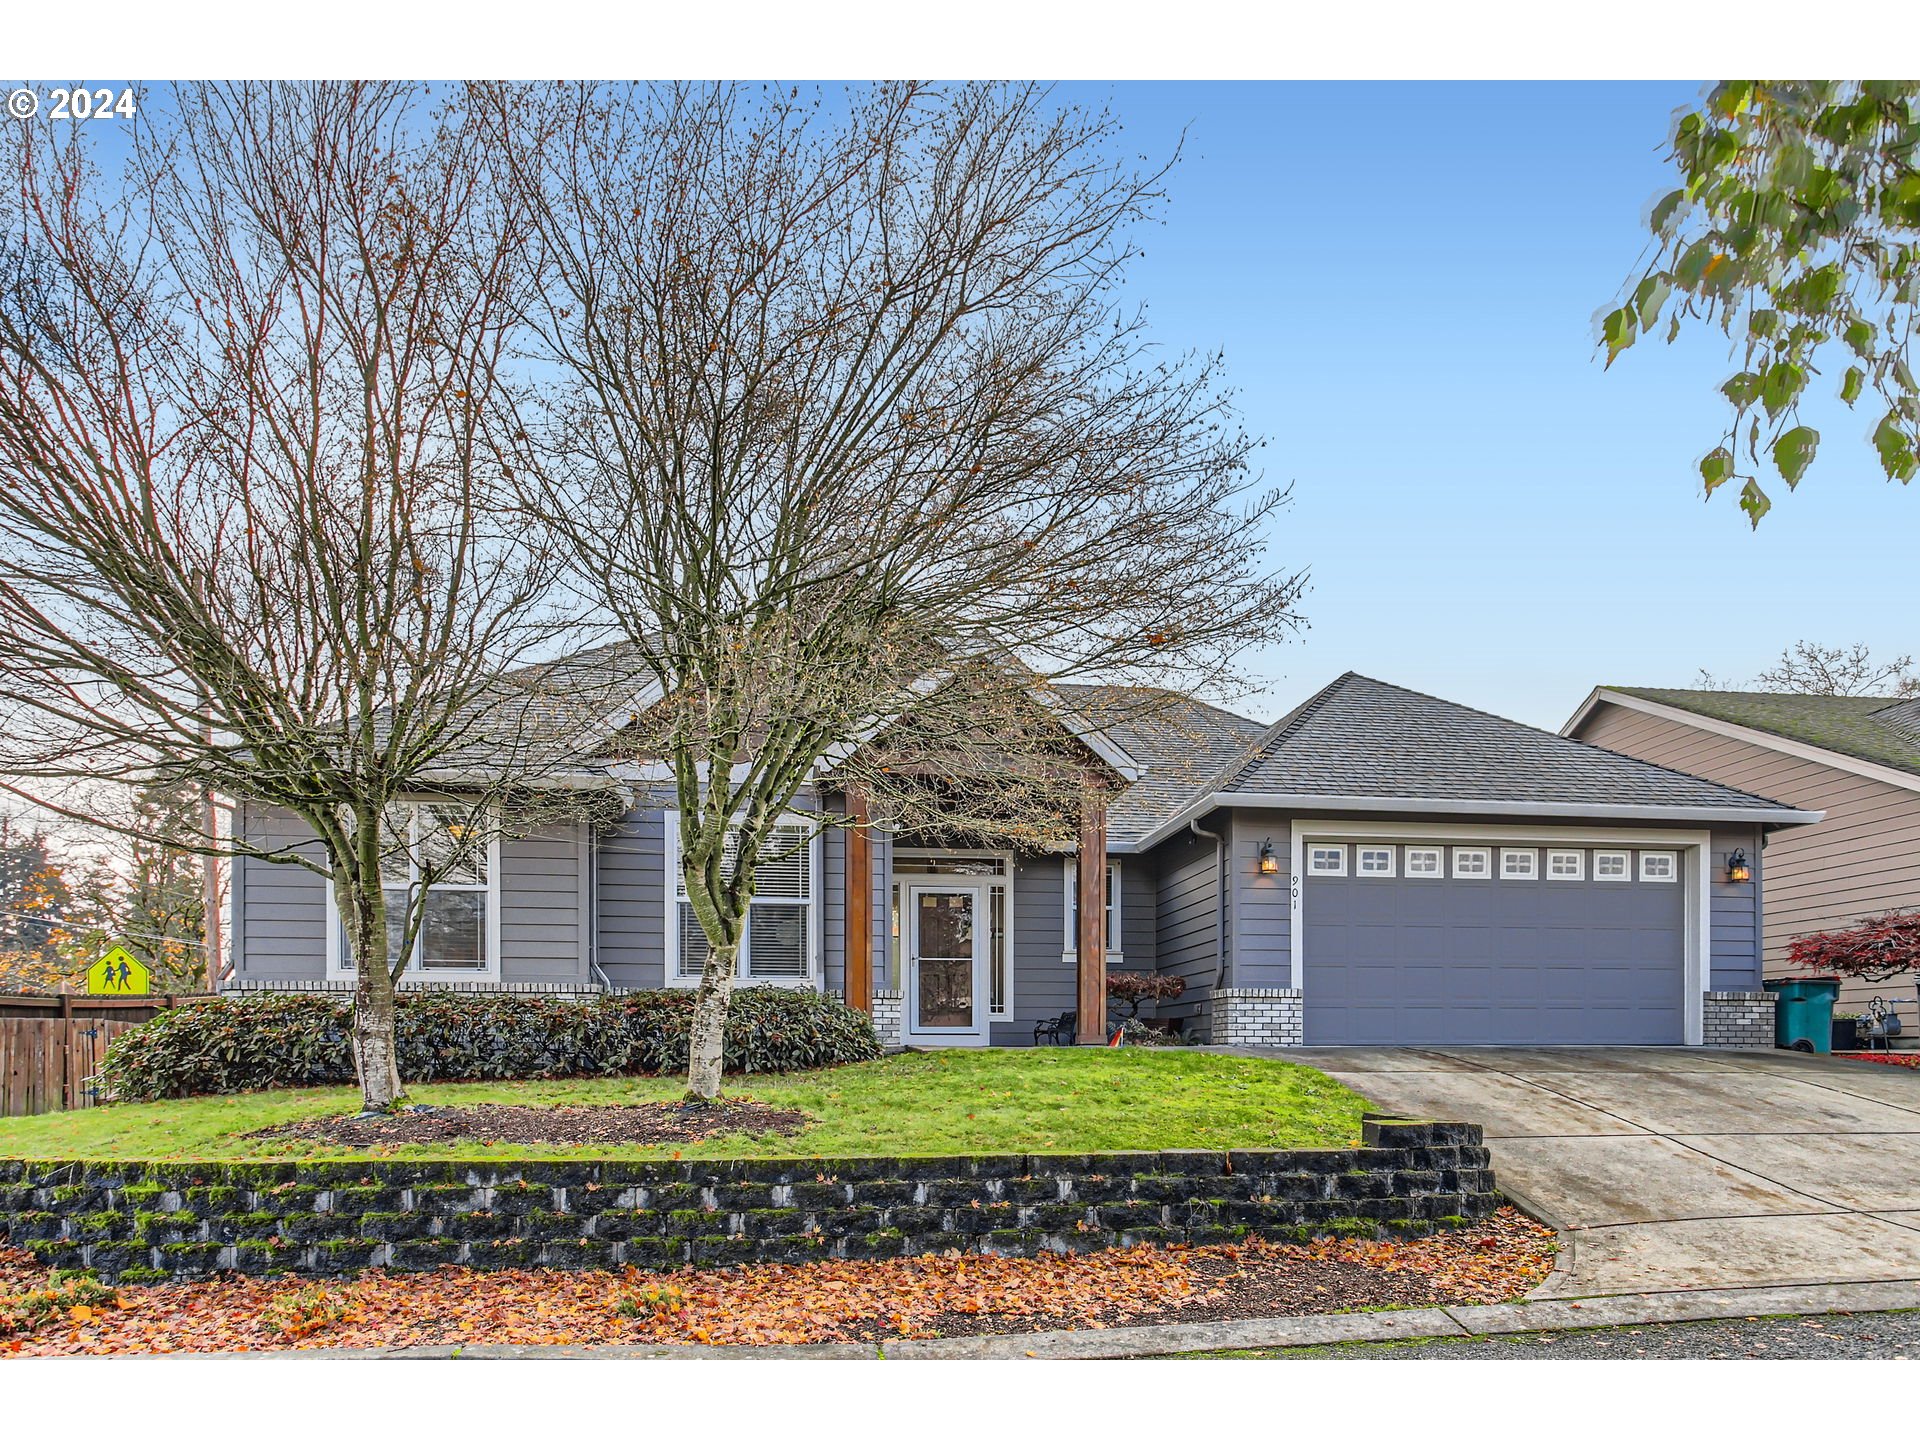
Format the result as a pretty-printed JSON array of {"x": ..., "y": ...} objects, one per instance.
[
  {"x": 1377, "y": 867},
  {"x": 1854, "y": 757}
]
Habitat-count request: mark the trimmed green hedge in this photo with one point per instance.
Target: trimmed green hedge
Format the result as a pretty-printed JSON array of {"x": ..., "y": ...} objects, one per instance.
[{"x": 261, "y": 1042}]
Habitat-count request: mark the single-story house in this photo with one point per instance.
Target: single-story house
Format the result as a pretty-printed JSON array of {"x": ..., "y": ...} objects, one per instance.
[
  {"x": 1376, "y": 867},
  {"x": 1854, "y": 757}
]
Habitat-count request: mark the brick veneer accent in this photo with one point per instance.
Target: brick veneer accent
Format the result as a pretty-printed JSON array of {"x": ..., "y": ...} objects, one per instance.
[
  {"x": 135, "y": 1221},
  {"x": 889, "y": 1018},
  {"x": 1255, "y": 1017},
  {"x": 1738, "y": 1019}
]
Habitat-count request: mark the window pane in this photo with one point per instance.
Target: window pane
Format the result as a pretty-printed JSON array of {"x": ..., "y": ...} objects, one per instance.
[
  {"x": 777, "y": 941},
  {"x": 997, "y": 950},
  {"x": 785, "y": 873},
  {"x": 396, "y": 838},
  {"x": 447, "y": 835},
  {"x": 396, "y": 922},
  {"x": 693, "y": 944},
  {"x": 453, "y": 933}
]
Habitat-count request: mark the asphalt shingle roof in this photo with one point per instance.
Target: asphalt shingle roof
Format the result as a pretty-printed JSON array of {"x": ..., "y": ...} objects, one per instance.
[
  {"x": 1362, "y": 737},
  {"x": 1878, "y": 728},
  {"x": 1179, "y": 744}
]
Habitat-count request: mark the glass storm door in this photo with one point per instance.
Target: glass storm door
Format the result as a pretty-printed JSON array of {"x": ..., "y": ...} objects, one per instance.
[{"x": 947, "y": 963}]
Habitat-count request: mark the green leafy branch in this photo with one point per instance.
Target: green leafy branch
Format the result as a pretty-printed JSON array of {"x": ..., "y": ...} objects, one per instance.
[{"x": 1796, "y": 231}]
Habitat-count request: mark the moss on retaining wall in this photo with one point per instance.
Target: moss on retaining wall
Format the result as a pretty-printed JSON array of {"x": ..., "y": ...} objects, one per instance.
[{"x": 138, "y": 1221}]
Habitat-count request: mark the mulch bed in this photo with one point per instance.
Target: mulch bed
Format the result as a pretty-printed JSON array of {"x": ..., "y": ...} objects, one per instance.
[
  {"x": 1502, "y": 1258},
  {"x": 659, "y": 1123},
  {"x": 1904, "y": 1059}
]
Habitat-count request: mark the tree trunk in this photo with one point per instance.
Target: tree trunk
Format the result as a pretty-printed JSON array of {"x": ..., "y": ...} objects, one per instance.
[
  {"x": 376, "y": 1053},
  {"x": 706, "y": 1043}
]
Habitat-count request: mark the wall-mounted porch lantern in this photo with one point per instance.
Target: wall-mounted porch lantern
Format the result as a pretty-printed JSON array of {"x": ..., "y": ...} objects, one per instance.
[
  {"x": 1738, "y": 870},
  {"x": 1269, "y": 862}
]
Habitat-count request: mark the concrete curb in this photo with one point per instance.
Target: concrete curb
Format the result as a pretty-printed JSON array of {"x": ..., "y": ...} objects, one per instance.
[{"x": 1289, "y": 1332}]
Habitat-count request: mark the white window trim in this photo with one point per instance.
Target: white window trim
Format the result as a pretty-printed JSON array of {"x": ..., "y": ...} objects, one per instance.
[
  {"x": 1340, "y": 851},
  {"x": 1359, "y": 865},
  {"x": 1514, "y": 852},
  {"x": 337, "y": 967},
  {"x": 1692, "y": 848},
  {"x": 1070, "y": 941},
  {"x": 1002, "y": 882},
  {"x": 1439, "y": 870},
  {"x": 815, "y": 903},
  {"x": 1486, "y": 862},
  {"x": 1673, "y": 867},
  {"x": 1626, "y": 867},
  {"x": 1579, "y": 858}
]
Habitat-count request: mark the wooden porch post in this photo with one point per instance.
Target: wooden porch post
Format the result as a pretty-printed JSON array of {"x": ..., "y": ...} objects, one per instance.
[
  {"x": 1091, "y": 981},
  {"x": 859, "y": 903}
]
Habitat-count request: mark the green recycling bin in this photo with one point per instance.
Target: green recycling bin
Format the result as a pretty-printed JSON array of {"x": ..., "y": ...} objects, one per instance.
[{"x": 1803, "y": 1013}]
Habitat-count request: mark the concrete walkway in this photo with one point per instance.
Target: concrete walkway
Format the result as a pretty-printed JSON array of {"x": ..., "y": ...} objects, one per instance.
[
  {"x": 1282, "y": 1332},
  {"x": 1681, "y": 1169}
]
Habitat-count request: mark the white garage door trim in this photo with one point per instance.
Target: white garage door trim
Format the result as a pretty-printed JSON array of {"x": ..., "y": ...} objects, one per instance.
[{"x": 1693, "y": 845}]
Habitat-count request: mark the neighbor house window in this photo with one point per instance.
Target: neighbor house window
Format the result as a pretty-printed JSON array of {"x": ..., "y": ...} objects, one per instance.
[
  {"x": 1566, "y": 864},
  {"x": 1471, "y": 864},
  {"x": 1610, "y": 865},
  {"x": 780, "y": 942},
  {"x": 1327, "y": 859},
  {"x": 1519, "y": 864},
  {"x": 442, "y": 846},
  {"x": 1374, "y": 860},
  {"x": 1070, "y": 952},
  {"x": 1424, "y": 861},
  {"x": 1658, "y": 865}
]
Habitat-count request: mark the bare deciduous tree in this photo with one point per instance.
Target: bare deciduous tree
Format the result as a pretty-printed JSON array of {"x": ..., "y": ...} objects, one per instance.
[
  {"x": 1810, "y": 668},
  {"x": 251, "y": 398},
  {"x": 858, "y": 446}
]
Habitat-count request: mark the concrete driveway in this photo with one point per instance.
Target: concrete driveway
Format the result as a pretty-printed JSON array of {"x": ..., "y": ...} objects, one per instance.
[{"x": 1682, "y": 1169}]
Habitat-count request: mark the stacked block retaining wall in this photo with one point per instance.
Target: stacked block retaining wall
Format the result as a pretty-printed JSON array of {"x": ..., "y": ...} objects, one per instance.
[{"x": 138, "y": 1221}]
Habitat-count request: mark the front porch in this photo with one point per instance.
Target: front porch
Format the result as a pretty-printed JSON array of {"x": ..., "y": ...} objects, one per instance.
[{"x": 978, "y": 946}]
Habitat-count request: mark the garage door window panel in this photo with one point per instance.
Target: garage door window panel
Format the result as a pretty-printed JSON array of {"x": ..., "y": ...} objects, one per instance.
[
  {"x": 1613, "y": 865},
  {"x": 1659, "y": 867},
  {"x": 1472, "y": 864},
  {"x": 1566, "y": 864},
  {"x": 1327, "y": 859},
  {"x": 1519, "y": 864},
  {"x": 1426, "y": 862},
  {"x": 1374, "y": 860}
]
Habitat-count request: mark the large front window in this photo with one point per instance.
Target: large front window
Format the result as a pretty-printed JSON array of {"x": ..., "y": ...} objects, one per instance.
[
  {"x": 779, "y": 941},
  {"x": 441, "y": 848}
]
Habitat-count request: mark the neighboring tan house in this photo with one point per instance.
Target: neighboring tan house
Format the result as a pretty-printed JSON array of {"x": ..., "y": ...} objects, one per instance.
[
  {"x": 1855, "y": 757},
  {"x": 1377, "y": 867}
]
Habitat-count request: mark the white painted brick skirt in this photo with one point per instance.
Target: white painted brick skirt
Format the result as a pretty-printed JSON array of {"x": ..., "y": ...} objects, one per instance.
[
  {"x": 889, "y": 1016},
  {"x": 1254, "y": 1017},
  {"x": 1737, "y": 1019}
]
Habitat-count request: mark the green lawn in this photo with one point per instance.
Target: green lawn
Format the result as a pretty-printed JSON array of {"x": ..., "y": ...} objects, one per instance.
[{"x": 940, "y": 1103}]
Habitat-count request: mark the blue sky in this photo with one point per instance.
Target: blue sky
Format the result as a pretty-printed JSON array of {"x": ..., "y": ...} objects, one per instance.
[{"x": 1404, "y": 279}]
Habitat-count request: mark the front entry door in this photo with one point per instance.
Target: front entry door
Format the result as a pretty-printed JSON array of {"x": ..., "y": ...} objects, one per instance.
[{"x": 946, "y": 965}]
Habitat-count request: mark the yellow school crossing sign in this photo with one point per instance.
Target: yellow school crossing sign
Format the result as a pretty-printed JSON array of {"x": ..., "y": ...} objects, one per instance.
[{"x": 118, "y": 973}]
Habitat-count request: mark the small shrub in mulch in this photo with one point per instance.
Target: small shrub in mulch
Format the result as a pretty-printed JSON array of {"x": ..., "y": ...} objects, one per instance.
[
  {"x": 1502, "y": 1258},
  {"x": 662, "y": 1123}
]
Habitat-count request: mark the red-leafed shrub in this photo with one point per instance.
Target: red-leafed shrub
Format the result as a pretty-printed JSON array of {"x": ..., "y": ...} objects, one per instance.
[
  {"x": 1876, "y": 949},
  {"x": 1133, "y": 988}
]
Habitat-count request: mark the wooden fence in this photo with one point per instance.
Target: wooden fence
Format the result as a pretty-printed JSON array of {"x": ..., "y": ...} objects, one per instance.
[{"x": 51, "y": 1046}]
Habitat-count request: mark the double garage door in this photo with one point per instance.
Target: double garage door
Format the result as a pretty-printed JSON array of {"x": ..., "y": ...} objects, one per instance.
[{"x": 1438, "y": 944}]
